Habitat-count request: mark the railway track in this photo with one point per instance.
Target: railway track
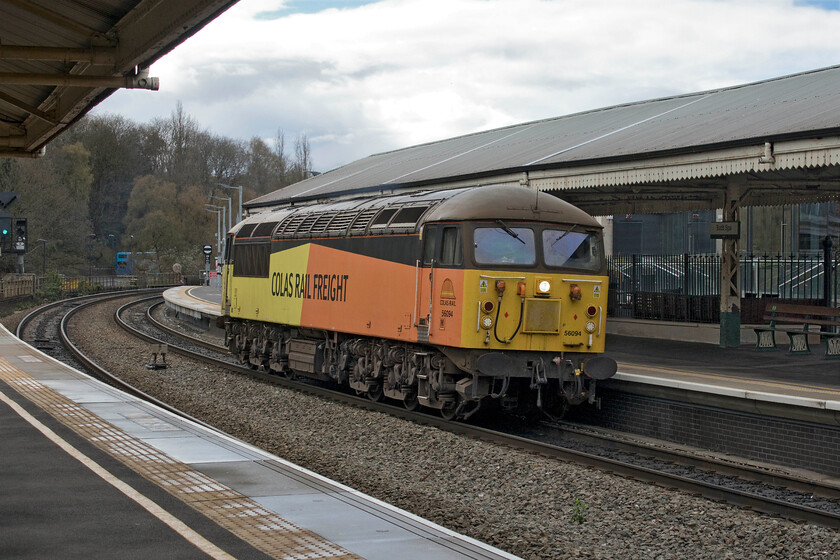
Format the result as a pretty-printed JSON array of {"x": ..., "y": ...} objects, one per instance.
[{"x": 740, "y": 485}]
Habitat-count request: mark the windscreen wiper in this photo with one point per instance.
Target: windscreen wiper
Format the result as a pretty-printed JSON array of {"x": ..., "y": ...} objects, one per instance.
[
  {"x": 565, "y": 233},
  {"x": 510, "y": 231}
]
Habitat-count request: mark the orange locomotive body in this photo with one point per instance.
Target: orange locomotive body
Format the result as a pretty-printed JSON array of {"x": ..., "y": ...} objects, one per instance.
[{"x": 443, "y": 299}]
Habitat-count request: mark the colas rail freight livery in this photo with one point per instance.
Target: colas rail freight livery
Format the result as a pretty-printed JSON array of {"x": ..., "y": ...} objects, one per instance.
[{"x": 444, "y": 299}]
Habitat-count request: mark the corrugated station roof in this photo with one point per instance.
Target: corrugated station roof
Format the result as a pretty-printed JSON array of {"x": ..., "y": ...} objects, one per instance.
[
  {"x": 805, "y": 105},
  {"x": 60, "y": 58}
]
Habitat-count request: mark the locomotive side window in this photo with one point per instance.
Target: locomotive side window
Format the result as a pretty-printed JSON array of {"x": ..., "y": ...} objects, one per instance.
[
  {"x": 429, "y": 243},
  {"x": 504, "y": 245},
  {"x": 450, "y": 251},
  {"x": 383, "y": 217},
  {"x": 251, "y": 260},
  {"x": 571, "y": 249}
]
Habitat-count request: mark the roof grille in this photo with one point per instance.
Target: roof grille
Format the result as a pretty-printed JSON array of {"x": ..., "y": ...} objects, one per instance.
[
  {"x": 321, "y": 223},
  {"x": 363, "y": 219},
  {"x": 290, "y": 225},
  {"x": 305, "y": 226},
  {"x": 341, "y": 221}
]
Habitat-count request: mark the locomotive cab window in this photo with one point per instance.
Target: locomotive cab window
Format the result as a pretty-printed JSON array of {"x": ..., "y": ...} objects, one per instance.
[
  {"x": 429, "y": 244},
  {"x": 450, "y": 247},
  {"x": 228, "y": 249},
  {"x": 504, "y": 245},
  {"x": 571, "y": 249},
  {"x": 443, "y": 244}
]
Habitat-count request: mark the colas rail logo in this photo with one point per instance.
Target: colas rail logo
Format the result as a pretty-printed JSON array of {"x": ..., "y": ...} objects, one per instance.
[{"x": 320, "y": 287}]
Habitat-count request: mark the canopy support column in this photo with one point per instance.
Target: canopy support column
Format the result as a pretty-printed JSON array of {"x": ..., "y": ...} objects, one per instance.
[{"x": 730, "y": 285}]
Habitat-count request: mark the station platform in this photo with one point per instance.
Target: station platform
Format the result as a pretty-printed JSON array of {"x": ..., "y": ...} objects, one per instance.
[
  {"x": 776, "y": 377},
  {"x": 198, "y": 304},
  {"x": 88, "y": 471}
]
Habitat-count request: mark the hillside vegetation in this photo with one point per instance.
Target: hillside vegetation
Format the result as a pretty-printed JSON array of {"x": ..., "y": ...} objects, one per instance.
[{"x": 109, "y": 184}]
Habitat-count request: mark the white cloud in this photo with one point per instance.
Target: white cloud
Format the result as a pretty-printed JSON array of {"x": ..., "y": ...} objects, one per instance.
[{"x": 400, "y": 72}]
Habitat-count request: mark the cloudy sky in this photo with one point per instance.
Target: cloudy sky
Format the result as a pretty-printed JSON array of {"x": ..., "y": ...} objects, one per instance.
[{"x": 360, "y": 77}]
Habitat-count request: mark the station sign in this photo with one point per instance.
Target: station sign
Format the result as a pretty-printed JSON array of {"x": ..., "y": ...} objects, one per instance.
[{"x": 725, "y": 230}]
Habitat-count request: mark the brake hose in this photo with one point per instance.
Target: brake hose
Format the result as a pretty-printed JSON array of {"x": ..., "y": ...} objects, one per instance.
[{"x": 496, "y": 322}]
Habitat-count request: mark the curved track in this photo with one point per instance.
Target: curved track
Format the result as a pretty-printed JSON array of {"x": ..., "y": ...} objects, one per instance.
[{"x": 716, "y": 490}]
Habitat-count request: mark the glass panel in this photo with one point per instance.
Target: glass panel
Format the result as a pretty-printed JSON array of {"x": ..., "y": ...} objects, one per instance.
[
  {"x": 409, "y": 215},
  {"x": 383, "y": 217},
  {"x": 498, "y": 246},
  {"x": 450, "y": 253},
  {"x": 251, "y": 260},
  {"x": 571, "y": 249}
]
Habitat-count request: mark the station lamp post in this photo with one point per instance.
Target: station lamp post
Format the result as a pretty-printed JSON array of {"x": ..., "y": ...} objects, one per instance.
[
  {"x": 229, "y": 211},
  {"x": 239, "y": 215},
  {"x": 220, "y": 218}
]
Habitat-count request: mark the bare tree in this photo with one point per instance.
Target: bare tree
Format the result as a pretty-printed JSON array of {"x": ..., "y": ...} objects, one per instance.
[{"x": 303, "y": 158}]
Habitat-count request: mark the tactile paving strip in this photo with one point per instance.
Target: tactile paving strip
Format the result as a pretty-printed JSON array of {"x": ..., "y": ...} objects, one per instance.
[{"x": 263, "y": 529}]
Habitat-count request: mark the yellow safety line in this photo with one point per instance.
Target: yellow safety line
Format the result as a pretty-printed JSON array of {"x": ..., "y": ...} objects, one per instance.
[
  {"x": 256, "y": 525},
  {"x": 174, "y": 523},
  {"x": 190, "y": 294}
]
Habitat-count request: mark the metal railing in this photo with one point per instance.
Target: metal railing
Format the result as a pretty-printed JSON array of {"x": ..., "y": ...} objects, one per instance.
[{"x": 687, "y": 287}]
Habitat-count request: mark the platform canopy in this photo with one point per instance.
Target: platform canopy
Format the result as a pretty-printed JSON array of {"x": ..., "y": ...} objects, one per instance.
[
  {"x": 777, "y": 141},
  {"x": 59, "y": 59}
]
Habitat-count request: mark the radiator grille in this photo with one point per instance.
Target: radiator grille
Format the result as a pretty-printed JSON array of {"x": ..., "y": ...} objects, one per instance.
[{"x": 541, "y": 316}]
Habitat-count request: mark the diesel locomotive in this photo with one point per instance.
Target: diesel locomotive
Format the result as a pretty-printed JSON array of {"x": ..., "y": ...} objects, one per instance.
[{"x": 446, "y": 299}]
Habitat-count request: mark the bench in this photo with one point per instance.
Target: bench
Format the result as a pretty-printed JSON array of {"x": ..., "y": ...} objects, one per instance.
[{"x": 826, "y": 319}]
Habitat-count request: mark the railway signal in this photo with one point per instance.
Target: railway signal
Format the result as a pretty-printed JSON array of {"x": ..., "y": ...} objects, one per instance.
[
  {"x": 5, "y": 232},
  {"x": 19, "y": 243}
]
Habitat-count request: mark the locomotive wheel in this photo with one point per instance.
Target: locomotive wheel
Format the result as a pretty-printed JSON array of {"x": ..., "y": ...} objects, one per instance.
[
  {"x": 375, "y": 392},
  {"x": 449, "y": 410},
  {"x": 410, "y": 402}
]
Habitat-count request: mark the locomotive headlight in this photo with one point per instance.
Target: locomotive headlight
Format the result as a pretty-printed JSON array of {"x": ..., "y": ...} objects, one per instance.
[
  {"x": 590, "y": 326},
  {"x": 487, "y": 322},
  {"x": 488, "y": 306},
  {"x": 543, "y": 287}
]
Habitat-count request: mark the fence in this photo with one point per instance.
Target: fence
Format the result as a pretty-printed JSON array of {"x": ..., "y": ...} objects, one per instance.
[
  {"x": 687, "y": 287},
  {"x": 16, "y": 286}
]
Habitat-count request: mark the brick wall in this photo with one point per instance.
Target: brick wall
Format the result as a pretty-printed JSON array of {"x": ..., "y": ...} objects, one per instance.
[{"x": 773, "y": 440}]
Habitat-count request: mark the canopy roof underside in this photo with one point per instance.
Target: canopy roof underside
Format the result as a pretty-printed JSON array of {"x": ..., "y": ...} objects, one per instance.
[{"x": 60, "y": 58}]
